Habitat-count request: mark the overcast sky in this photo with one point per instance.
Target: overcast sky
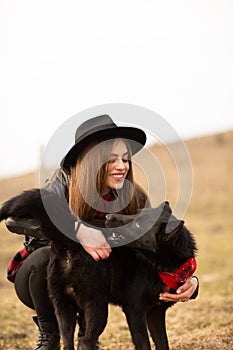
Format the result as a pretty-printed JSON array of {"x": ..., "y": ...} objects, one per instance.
[{"x": 59, "y": 58}]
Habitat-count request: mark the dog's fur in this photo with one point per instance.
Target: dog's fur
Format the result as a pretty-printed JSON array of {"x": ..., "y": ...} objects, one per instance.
[{"x": 78, "y": 283}]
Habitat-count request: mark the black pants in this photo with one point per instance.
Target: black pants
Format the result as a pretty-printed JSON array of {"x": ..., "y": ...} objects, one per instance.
[{"x": 31, "y": 285}]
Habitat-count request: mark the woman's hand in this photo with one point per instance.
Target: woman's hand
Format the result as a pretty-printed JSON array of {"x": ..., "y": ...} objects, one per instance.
[
  {"x": 94, "y": 242},
  {"x": 183, "y": 293}
]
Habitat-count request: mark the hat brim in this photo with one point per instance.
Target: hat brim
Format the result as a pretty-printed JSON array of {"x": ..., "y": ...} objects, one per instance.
[{"x": 135, "y": 137}]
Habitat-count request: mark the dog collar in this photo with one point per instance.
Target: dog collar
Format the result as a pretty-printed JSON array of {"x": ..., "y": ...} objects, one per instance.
[{"x": 179, "y": 276}]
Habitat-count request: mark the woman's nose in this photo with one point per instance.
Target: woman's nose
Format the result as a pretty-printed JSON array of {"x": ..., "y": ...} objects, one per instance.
[{"x": 119, "y": 164}]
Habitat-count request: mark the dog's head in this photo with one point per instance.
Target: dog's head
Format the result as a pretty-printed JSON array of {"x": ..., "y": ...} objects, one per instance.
[
  {"x": 153, "y": 230},
  {"x": 140, "y": 230}
]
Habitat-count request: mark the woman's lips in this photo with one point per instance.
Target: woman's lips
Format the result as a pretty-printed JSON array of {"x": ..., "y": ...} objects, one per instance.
[{"x": 118, "y": 177}]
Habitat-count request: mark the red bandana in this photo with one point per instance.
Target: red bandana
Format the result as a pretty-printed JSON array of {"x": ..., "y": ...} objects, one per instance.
[{"x": 176, "y": 278}]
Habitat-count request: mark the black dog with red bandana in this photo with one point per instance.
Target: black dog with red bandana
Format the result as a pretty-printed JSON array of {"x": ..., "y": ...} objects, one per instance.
[{"x": 129, "y": 277}]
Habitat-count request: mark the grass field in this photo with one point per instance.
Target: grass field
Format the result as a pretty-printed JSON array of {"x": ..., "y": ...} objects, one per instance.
[{"x": 207, "y": 322}]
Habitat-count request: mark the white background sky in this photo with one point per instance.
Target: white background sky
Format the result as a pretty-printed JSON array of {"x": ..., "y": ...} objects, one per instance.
[{"x": 61, "y": 57}]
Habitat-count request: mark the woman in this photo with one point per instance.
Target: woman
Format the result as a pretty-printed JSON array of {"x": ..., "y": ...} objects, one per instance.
[{"x": 96, "y": 177}]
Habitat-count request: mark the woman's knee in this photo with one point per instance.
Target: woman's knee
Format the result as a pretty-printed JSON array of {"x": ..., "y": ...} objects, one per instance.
[
  {"x": 31, "y": 274},
  {"x": 39, "y": 259}
]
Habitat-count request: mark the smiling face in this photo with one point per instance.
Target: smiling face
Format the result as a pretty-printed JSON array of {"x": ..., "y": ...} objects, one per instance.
[
  {"x": 104, "y": 166},
  {"x": 117, "y": 166}
]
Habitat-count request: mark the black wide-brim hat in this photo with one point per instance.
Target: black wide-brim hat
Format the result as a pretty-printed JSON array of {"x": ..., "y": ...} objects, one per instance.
[{"x": 102, "y": 128}]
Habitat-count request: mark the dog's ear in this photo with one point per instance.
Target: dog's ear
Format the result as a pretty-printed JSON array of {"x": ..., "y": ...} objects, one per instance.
[
  {"x": 173, "y": 226},
  {"x": 5, "y": 210},
  {"x": 162, "y": 212}
]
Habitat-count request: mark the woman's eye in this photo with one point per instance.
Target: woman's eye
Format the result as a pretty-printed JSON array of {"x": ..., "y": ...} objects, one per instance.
[{"x": 124, "y": 160}]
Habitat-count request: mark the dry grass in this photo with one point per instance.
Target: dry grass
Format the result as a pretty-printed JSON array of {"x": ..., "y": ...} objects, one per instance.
[{"x": 204, "y": 324}]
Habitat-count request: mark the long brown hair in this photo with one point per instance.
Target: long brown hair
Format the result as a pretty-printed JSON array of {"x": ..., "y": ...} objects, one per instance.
[{"x": 87, "y": 183}]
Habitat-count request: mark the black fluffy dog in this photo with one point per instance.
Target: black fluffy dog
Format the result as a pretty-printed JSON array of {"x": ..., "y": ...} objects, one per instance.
[{"x": 77, "y": 283}]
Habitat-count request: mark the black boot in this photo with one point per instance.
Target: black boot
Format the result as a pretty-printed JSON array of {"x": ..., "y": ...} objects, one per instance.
[{"x": 49, "y": 337}]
